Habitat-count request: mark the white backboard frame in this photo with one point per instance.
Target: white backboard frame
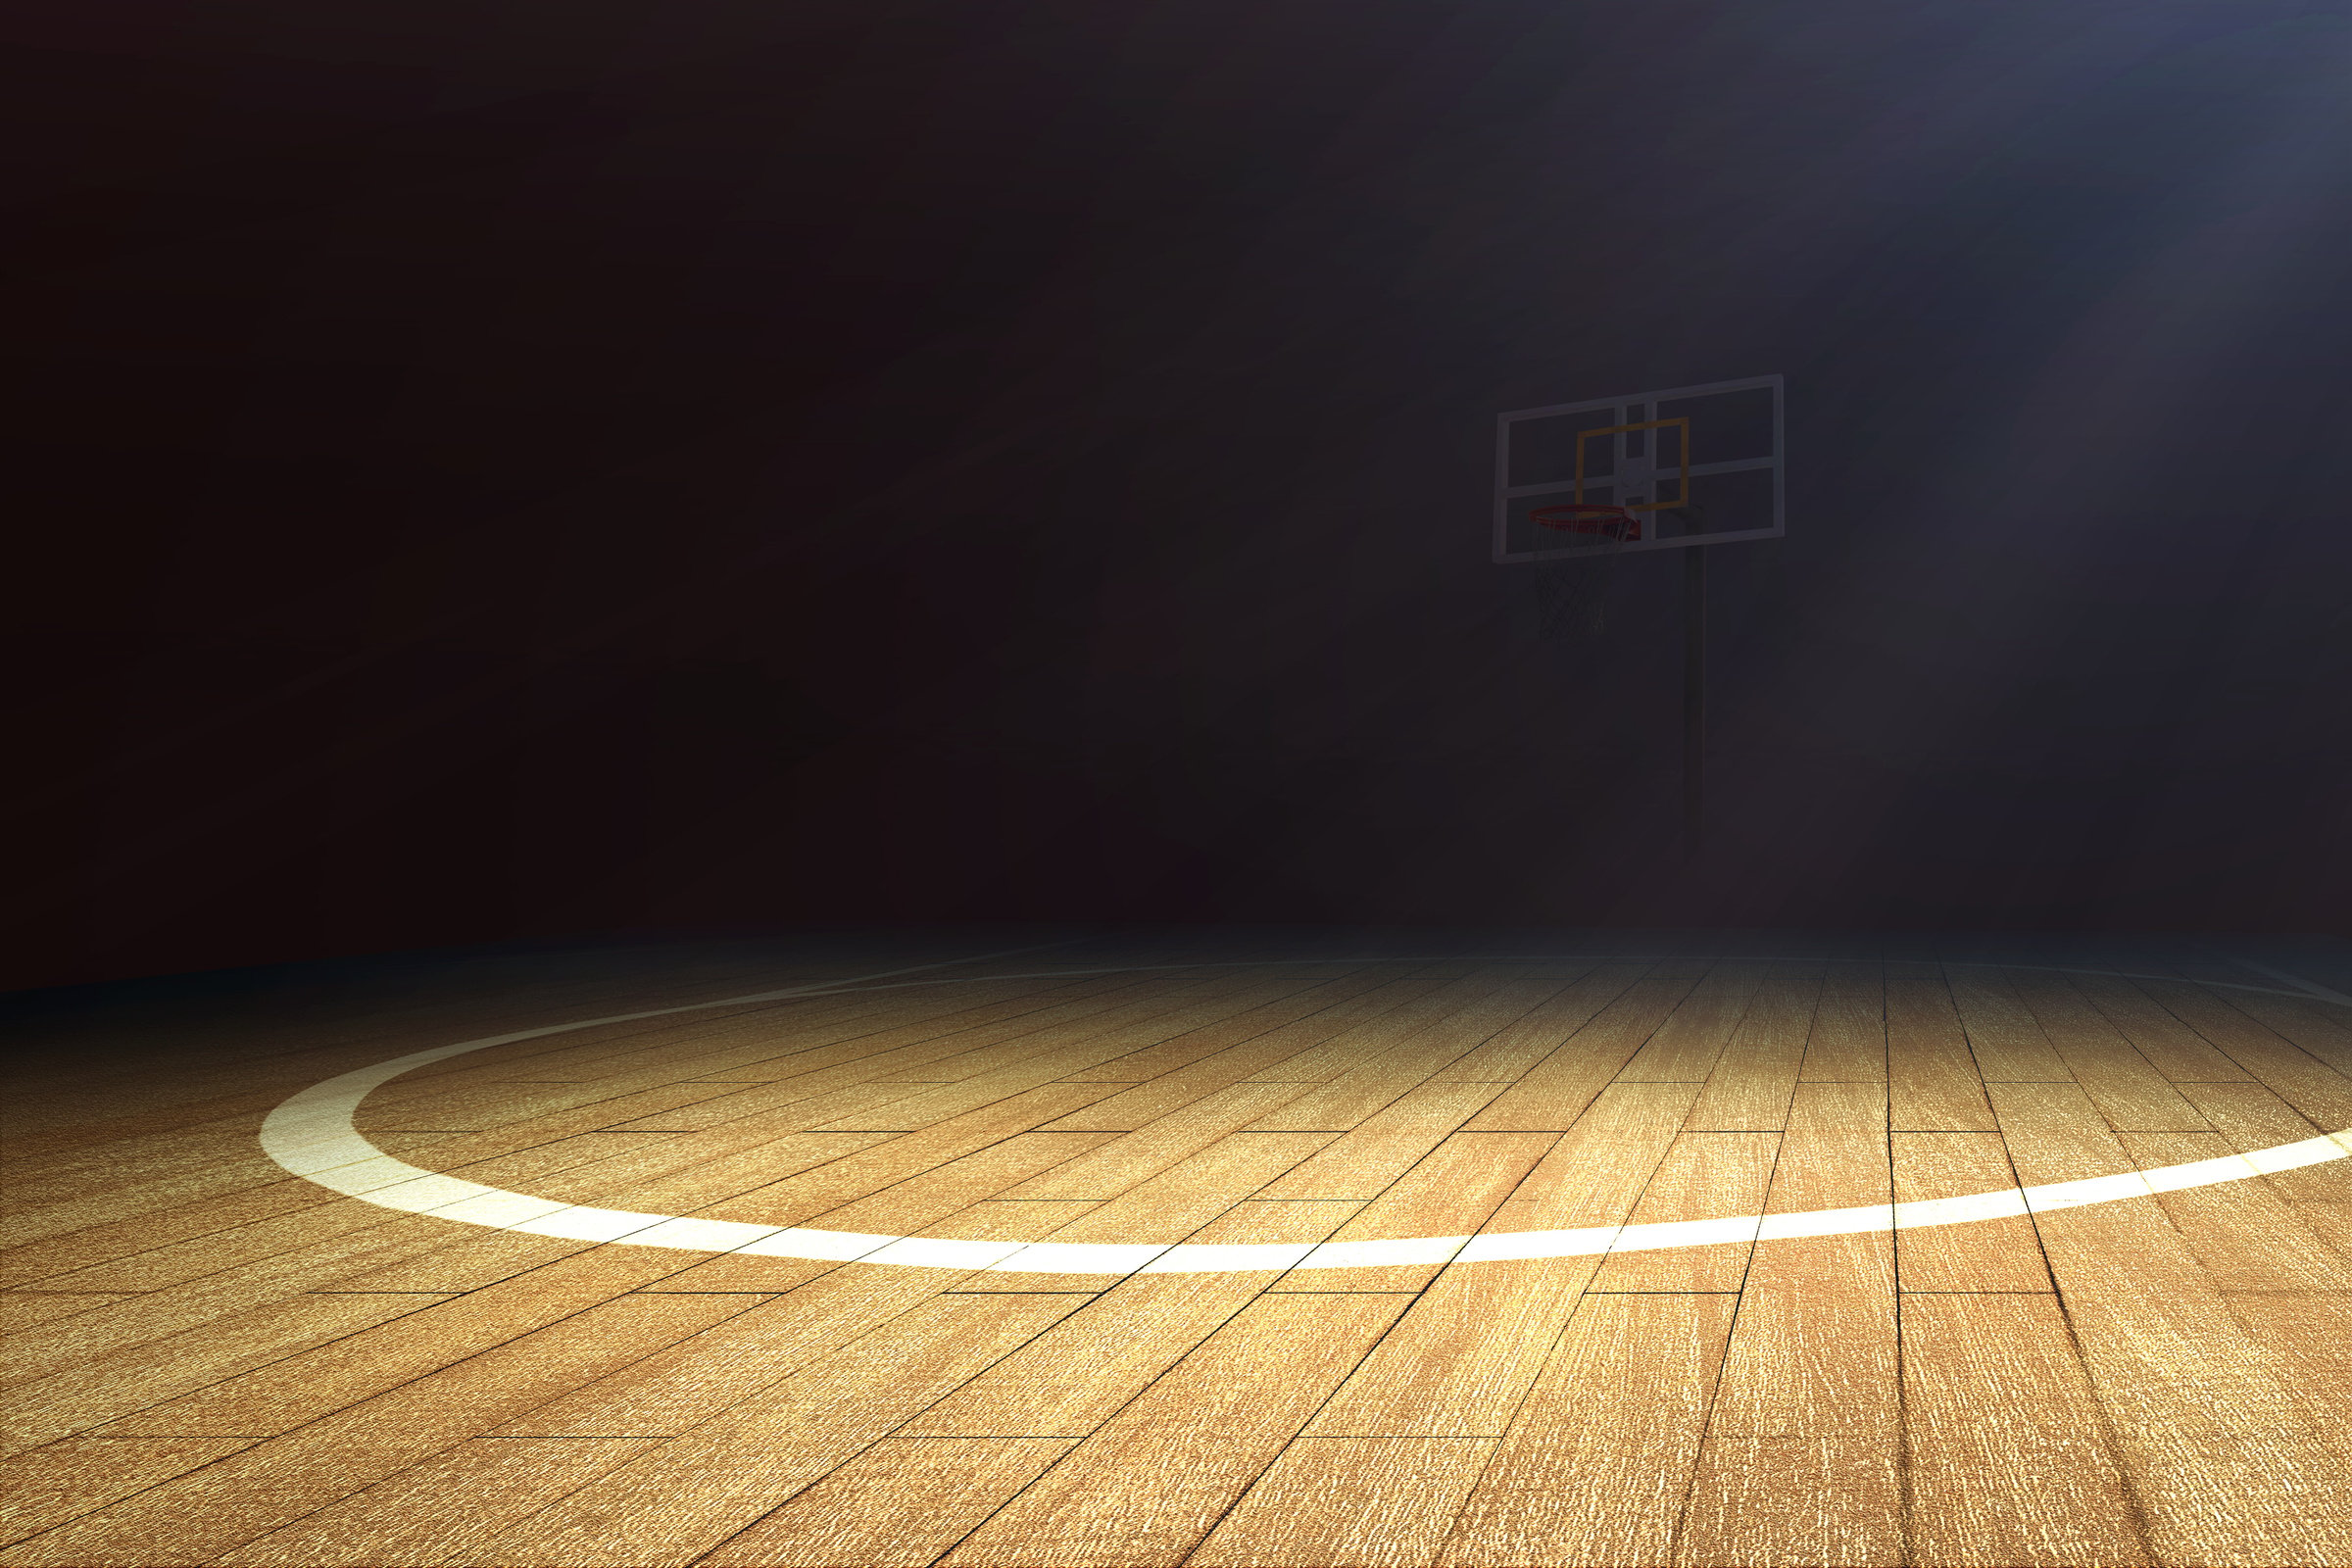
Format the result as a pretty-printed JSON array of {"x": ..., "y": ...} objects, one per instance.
[{"x": 1629, "y": 468}]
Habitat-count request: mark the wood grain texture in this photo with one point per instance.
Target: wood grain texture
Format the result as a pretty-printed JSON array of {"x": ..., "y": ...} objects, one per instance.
[
  {"x": 899, "y": 1504},
  {"x": 1848, "y": 1042},
  {"x": 1552, "y": 1093},
  {"x": 2224, "y": 1458},
  {"x": 1990, "y": 1255},
  {"x": 1802, "y": 1461},
  {"x": 1748, "y": 1088},
  {"x": 1598, "y": 1464},
  {"x": 1465, "y": 1352},
  {"x": 1127, "y": 1338},
  {"x": 405, "y": 1518},
  {"x": 1932, "y": 1079},
  {"x": 1349, "y": 1503},
  {"x": 2010, "y": 1459},
  {"x": 62, "y": 1481},
  {"x": 1157, "y": 1476},
  {"x": 213, "y": 1361},
  {"x": 1702, "y": 1175},
  {"x": 685, "y": 1496},
  {"x": 1452, "y": 1191},
  {"x": 268, "y": 1485}
]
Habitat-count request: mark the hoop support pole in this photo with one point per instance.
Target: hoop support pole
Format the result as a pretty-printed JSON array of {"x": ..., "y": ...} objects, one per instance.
[{"x": 1694, "y": 697}]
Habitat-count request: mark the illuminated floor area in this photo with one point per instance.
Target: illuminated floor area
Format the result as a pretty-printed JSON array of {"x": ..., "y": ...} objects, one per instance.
[{"x": 1694, "y": 1251}]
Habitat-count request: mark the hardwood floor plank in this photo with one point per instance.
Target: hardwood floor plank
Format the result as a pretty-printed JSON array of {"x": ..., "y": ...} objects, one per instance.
[
  {"x": 227, "y": 1165},
  {"x": 1135, "y": 1158},
  {"x": 22, "y": 1309},
  {"x": 2009, "y": 1459},
  {"x": 225, "y": 1364},
  {"x": 899, "y": 1504},
  {"x": 1390, "y": 1067},
  {"x": 1170, "y": 1208},
  {"x": 679, "y": 1499},
  {"x": 863, "y": 1026},
  {"x": 2008, "y": 1044},
  {"x": 467, "y": 1259},
  {"x": 1362, "y": 1162},
  {"x": 1028, "y": 1219},
  {"x": 1749, "y": 1087},
  {"x": 736, "y": 1190},
  {"x": 1135, "y": 1108},
  {"x": 2310, "y": 1334},
  {"x": 1513, "y": 1049},
  {"x": 702, "y": 1104},
  {"x": 2127, "y": 1088},
  {"x": 159, "y": 1267},
  {"x": 347, "y": 1371},
  {"x": 490, "y": 1107},
  {"x": 989, "y": 1073},
  {"x": 57, "y": 1483},
  {"x": 1453, "y": 1191},
  {"x": 1238, "y": 1050},
  {"x": 1683, "y": 1048},
  {"x": 1801, "y": 1463},
  {"x": 1597, "y": 1462},
  {"x": 1143, "y": 1489},
  {"x": 528, "y": 1166},
  {"x": 1322, "y": 1006},
  {"x": 598, "y": 1065},
  {"x": 991, "y": 1069},
  {"x": 673, "y": 1388},
  {"x": 1466, "y": 1353},
  {"x": 857, "y": 1065},
  {"x": 2174, "y": 1049},
  {"x": 270, "y": 1485},
  {"x": 1125, "y": 1337},
  {"x": 69, "y": 1251},
  {"x": 1799, "y": 1501},
  {"x": 691, "y": 1171},
  {"x": 1931, "y": 1077},
  {"x": 2244, "y": 1235},
  {"x": 60, "y": 1402},
  {"x": 1704, "y": 1176},
  {"x": 924, "y": 1200},
  {"x": 2324, "y": 1032},
  {"x": 2317, "y": 1091},
  {"x": 1557, "y": 1091},
  {"x": 143, "y": 1318},
  {"x": 178, "y": 1264},
  {"x": 889, "y": 1031},
  {"x": 1348, "y": 1502},
  {"x": 2226, "y": 1463},
  {"x": 1847, "y": 1043},
  {"x": 2252, "y": 1117},
  {"x": 1986, "y": 1254},
  {"x": 449, "y": 1505},
  {"x": 912, "y": 1030},
  {"x": 1370, "y": 1030}
]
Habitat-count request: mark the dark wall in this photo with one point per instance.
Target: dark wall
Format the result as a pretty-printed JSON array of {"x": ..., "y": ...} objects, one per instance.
[{"x": 509, "y": 469}]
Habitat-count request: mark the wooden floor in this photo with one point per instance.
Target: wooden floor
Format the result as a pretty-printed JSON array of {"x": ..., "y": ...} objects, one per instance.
[{"x": 216, "y": 1361}]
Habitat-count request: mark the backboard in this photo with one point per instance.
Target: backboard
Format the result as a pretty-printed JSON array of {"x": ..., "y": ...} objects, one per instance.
[{"x": 1690, "y": 465}]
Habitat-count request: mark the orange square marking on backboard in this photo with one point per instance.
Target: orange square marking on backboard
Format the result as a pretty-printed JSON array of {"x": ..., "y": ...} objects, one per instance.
[{"x": 1682, "y": 424}]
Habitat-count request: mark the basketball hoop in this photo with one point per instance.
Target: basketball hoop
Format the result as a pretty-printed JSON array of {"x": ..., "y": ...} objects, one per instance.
[
  {"x": 1570, "y": 590},
  {"x": 1621, "y": 523}
]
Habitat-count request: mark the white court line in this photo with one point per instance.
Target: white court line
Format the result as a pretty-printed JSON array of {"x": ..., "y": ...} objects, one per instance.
[
  {"x": 2307, "y": 988},
  {"x": 312, "y": 1136}
]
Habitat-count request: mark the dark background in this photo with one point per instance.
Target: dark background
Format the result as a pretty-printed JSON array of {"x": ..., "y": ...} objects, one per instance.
[{"x": 518, "y": 469}]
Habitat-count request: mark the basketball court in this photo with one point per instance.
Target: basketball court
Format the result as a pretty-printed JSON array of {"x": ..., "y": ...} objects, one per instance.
[{"x": 1315, "y": 1250}]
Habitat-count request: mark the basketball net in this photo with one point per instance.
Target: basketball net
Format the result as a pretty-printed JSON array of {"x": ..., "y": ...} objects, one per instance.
[{"x": 1572, "y": 591}]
